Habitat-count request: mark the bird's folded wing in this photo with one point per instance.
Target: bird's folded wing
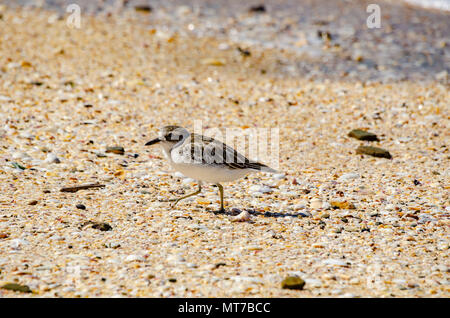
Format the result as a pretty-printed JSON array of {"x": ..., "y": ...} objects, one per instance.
[{"x": 206, "y": 150}]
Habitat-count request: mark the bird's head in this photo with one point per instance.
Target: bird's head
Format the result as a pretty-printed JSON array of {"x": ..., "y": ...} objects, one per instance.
[{"x": 170, "y": 135}]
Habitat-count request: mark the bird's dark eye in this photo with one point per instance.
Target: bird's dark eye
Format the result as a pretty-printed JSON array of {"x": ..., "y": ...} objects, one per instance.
[{"x": 173, "y": 137}]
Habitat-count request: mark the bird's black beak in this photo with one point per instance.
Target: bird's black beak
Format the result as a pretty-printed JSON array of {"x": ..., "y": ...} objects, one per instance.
[{"x": 152, "y": 142}]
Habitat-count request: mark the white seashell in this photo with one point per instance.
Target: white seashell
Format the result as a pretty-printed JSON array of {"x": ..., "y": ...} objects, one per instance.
[
  {"x": 16, "y": 244},
  {"x": 5, "y": 98},
  {"x": 175, "y": 259},
  {"x": 223, "y": 46},
  {"x": 52, "y": 158},
  {"x": 279, "y": 176},
  {"x": 326, "y": 205},
  {"x": 337, "y": 262},
  {"x": 316, "y": 203},
  {"x": 260, "y": 189},
  {"x": 348, "y": 176},
  {"x": 242, "y": 217},
  {"x": 133, "y": 258}
]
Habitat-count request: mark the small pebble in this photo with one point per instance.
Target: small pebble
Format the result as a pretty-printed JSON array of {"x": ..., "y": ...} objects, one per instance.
[
  {"x": 16, "y": 287},
  {"x": 116, "y": 150},
  {"x": 342, "y": 205},
  {"x": 374, "y": 152},
  {"x": 363, "y": 135},
  {"x": 293, "y": 282},
  {"x": 102, "y": 226}
]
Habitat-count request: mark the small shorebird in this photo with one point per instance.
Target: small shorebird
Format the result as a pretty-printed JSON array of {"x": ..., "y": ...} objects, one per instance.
[{"x": 204, "y": 159}]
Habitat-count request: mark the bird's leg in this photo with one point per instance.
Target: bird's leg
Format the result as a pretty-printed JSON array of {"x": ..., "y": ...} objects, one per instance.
[
  {"x": 221, "y": 197},
  {"x": 186, "y": 196}
]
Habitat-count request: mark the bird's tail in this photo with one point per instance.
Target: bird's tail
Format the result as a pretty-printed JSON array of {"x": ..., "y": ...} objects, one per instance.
[{"x": 261, "y": 167}]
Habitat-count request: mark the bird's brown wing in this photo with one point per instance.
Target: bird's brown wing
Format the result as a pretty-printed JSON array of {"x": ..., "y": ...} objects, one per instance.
[{"x": 207, "y": 150}]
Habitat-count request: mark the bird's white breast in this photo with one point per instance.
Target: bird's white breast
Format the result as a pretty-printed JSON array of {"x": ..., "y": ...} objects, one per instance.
[
  {"x": 202, "y": 172},
  {"x": 209, "y": 173}
]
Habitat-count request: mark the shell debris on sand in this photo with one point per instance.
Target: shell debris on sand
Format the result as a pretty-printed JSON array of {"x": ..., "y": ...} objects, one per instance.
[{"x": 389, "y": 227}]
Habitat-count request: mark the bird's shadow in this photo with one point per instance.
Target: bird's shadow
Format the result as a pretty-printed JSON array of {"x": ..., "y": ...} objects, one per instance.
[{"x": 235, "y": 212}]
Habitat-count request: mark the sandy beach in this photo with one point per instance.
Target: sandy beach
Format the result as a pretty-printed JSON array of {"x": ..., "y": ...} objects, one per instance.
[{"x": 348, "y": 224}]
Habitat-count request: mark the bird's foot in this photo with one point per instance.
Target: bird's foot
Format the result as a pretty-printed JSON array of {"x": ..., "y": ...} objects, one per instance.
[{"x": 220, "y": 211}]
